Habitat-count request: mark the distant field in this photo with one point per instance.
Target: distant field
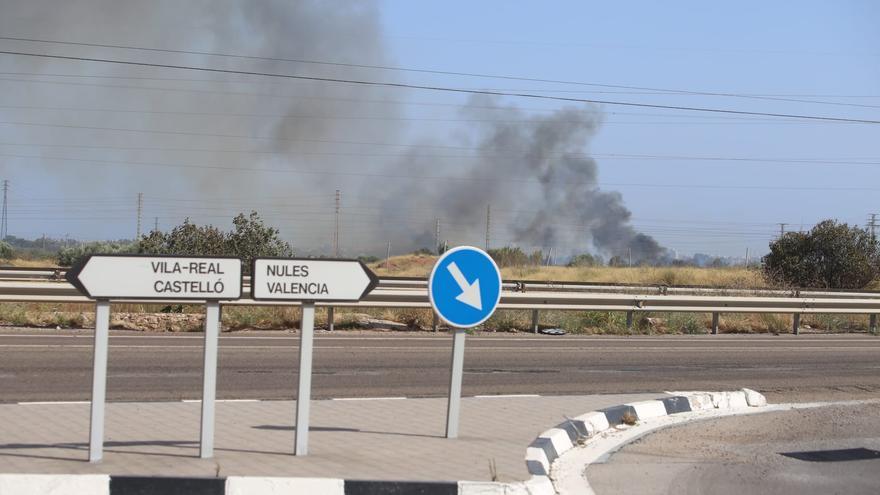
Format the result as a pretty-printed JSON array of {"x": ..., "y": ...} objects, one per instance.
[{"x": 739, "y": 277}]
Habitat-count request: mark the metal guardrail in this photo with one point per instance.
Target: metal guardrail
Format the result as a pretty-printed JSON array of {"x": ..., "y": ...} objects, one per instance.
[
  {"x": 415, "y": 296},
  {"x": 57, "y": 274}
]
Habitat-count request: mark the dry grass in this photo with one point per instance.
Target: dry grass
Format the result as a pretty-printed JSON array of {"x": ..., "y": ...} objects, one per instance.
[
  {"x": 420, "y": 266},
  {"x": 30, "y": 263}
]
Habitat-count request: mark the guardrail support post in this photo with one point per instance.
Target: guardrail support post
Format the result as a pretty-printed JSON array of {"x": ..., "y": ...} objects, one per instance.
[
  {"x": 535, "y": 321},
  {"x": 872, "y": 323},
  {"x": 435, "y": 324},
  {"x": 715, "y": 323},
  {"x": 796, "y": 324},
  {"x": 330, "y": 323},
  {"x": 629, "y": 321}
]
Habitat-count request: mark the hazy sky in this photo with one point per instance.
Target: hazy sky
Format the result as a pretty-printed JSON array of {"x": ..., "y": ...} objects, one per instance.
[{"x": 683, "y": 178}]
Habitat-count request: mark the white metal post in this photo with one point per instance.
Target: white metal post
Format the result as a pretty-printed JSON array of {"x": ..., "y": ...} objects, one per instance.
[
  {"x": 99, "y": 380},
  {"x": 304, "y": 394},
  {"x": 454, "y": 407},
  {"x": 209, "y": 379}
]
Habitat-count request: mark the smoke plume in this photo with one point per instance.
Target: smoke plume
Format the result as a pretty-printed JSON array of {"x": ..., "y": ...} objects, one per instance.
[{"x": 206, "y": 146}]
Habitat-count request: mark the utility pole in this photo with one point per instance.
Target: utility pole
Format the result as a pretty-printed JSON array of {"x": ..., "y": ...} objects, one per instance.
[
  {"x": 387, "y": 255},
  {"x": 629, "y": 253},
  {"x": 139, "y": 211},
  {"x": 437, "y": 235},
  {"x": 336, "y": 235},
  {"x": 747, "y": 257},
  {"x": 488, "y": 224},
  {"x": 4, "y": 219},
  {"x": 156, "y": 224},
  {"x": 781, "y": 228},
  {"x": 550, "y": 258},
  {"x": 872, "y": 223}
]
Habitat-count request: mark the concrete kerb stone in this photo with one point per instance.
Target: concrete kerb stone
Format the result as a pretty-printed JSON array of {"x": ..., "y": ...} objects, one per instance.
[
  {"x": 54, "y": 484},
  {"x": 553, "y": 443},
  {"x": 246, "y": 485}
]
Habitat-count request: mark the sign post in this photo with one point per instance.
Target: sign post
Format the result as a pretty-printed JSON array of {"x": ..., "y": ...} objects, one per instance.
[
  {"x": 464, "y": 289},
  {"x": 99, "y": 380},
  {"x": 309, "y": 281},
  {"x": 107, "y": 277}
]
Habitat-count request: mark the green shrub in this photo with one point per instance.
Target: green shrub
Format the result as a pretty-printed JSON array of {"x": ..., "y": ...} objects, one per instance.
[
  {"x": 249, "y": 239},
  {"x": 831, "y": 255},
  {"x": 6, "y": 251},
  {"x": 70, "y": 255}
]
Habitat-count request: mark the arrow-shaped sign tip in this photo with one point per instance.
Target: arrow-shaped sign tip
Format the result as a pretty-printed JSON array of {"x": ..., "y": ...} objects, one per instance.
[
  {"x": 470, "y": 295},
  {"x": 470, "y": 292}
]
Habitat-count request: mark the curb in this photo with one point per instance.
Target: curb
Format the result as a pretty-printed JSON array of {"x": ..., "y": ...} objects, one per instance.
[
  {"x": 553, "y": 443},
  {"x": 101, "y": 484}
]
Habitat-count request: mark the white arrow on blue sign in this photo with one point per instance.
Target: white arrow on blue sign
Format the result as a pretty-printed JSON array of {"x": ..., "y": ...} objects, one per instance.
[{"x": 465, "y": 286}]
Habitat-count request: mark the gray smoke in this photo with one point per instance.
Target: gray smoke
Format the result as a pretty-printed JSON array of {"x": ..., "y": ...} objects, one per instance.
[
  {"x": 541, "y": 183},
  {"x": 533, "y": 168}
]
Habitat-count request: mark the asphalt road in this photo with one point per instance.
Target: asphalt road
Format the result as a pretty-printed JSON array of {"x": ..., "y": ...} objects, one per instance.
[{"x": 56, "y": 365}]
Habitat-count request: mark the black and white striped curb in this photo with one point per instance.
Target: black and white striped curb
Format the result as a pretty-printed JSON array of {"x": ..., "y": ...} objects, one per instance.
[
  {"x": 554, "y": 442},
  {"x": 99, "y": 484}
]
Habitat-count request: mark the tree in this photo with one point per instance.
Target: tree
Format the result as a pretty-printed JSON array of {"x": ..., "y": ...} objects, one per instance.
[
  {"x": 831, "y": 255},
  {"x": 252, "y": 238}
]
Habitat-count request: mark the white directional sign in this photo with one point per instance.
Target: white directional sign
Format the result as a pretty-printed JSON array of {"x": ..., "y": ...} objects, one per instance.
[
  {"x": 157, "y": 277},
  {"x": 304, "y": 279}
]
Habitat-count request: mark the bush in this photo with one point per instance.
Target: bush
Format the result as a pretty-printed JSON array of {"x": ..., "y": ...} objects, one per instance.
[
  {"x": 584, "y": 260},
  {"x": 6, "y": 251},
  {"x": 70, "y": 255},
  {"x": 514, "y": 256},
  {"x": 831, "y": 255},
  {"x": 249, "y": 239}
]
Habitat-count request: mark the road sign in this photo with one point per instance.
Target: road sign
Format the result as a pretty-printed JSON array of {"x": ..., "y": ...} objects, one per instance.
[
  {"x": 308, "y": 280},
  {"x": 305, "y": 279},
  {"x": 465, "y": 287},
  {"x": 157, "y": 277},
  {"x": 106, "y": 277}
]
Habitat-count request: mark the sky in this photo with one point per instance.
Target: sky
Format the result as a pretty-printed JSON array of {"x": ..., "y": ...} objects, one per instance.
[{"x": 716, "y": 183}]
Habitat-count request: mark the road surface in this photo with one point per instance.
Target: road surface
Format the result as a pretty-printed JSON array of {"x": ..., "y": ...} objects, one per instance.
[
  {"x": 40, "y": 365},
  {"x": 817, "y": 451}
]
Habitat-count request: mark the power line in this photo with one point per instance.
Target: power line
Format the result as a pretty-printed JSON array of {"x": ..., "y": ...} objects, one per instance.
[
  {"x": 95, "y": 162},
  {"x": 434, "y": 72},
  {"x": 437, "y": 88},
  {"x": 620, "y": 156}
]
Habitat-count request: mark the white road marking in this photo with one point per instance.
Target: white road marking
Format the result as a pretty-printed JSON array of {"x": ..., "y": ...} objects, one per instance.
[
  {"x": 505, "y": 396},
  {"x": 367, "y": 398}
]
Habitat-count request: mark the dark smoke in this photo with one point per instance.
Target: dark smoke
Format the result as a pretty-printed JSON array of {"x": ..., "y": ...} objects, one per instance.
[{"x": 536, "y": 173}]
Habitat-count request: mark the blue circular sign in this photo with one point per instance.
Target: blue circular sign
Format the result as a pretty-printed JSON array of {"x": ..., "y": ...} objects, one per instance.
[{"x": 465, "y": 286}]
